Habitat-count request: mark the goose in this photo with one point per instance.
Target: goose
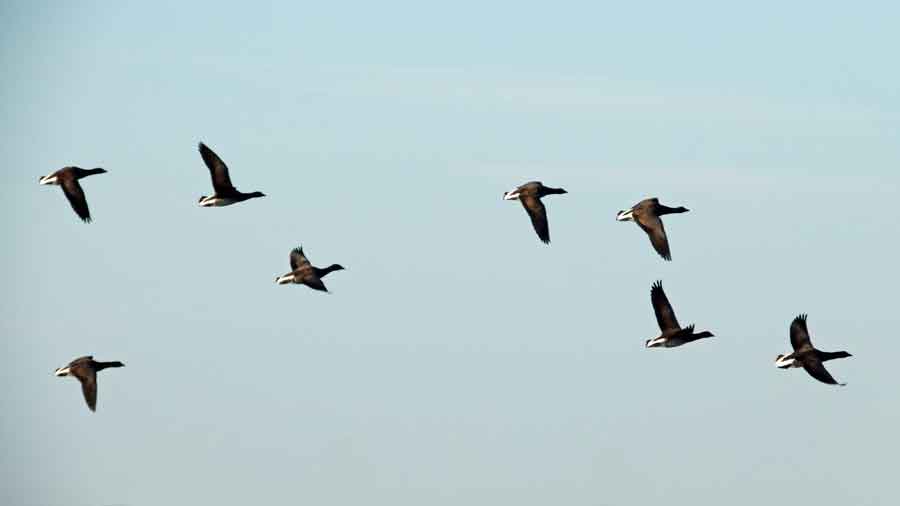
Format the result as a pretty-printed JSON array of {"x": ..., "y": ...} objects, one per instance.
[
  {"x": 303, "y": 273},
  {"x": 67, "y": 178},
  {"x": 529, "y": 194},
  {"x": 225, "y": 193},
  {"x": 646, "y": 214},
  {"x": 85, "y": 370},
  {"x": 672, "y": 333},
  {"x": 806, "y": 356}
]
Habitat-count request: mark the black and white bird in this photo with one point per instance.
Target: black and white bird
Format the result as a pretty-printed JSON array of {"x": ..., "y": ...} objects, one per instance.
[
  {"x": 67, "y": 178},
  {"x": 304, "y": 273},
  {"x": 806, "y": 356},
  {"x": 85, "y": 370},
  {"x": 529, "y": 194},
  {"x": 225, "y": 193},
  {"x": 646, "y": 214},
  {"x": 672, "y": 333}
]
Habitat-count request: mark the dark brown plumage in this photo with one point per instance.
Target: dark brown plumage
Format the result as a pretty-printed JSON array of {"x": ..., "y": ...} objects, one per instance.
[
  {"x": 806, "y": 356},
  {"x": 672, "y": 334},
  {"x": 304, "y": 273},
  {"x": 67, "y": 178},
  {"x": 530, "y": 194},
  {"x": 85, "y": 370},
  {"x": 225, "y": 193},
  {"x": 646, "y": 214}
]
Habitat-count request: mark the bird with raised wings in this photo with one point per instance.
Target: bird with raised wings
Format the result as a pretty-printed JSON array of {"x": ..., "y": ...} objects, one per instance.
[
  {"x": 672, "y": 333},
  {"x": 304, "y": 273},
  {"x": 225, "y": 193},
  {"x": 806, "y": 356}
]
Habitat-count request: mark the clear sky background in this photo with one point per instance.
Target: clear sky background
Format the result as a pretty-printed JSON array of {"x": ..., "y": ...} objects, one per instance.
[{"x": 458, "y": 360}]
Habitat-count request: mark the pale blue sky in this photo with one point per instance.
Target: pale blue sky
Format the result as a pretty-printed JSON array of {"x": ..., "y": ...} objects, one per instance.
[{"x": 458, "y": 360}]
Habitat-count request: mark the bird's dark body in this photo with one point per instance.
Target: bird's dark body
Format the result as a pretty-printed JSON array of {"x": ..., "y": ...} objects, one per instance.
[
  {"x": 225, "y": 192},
  {"x": 67, "y": 178},
  {"x": 646, "y": 214},
  {"x": 672, "y": 333},
  {"x": 807, "y": 356},
  {"x": 530, "y": 194},
  {"x": 85, "y": 370},
  {"x": 304, "y": 273}
]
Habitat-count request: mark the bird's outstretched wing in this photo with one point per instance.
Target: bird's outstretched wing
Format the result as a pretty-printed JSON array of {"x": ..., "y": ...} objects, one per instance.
[
  {"x": 72, "y": 189},
  {"x": 88, "y": 379},
  {"x": 298, "y": 259},
  {"x": 654, "y": 228},
  {"x": 817, "y": 370},
  {"x": 538, "y": 214},
  {"x": 665, "y": 315},
  {"x": 314, "y": 282},
  {"x": 800, "y": 336},
  {"x": 217, "y": 169}
]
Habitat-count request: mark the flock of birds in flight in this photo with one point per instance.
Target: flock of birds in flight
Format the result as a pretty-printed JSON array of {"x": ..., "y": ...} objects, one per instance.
[{"x": 646, "y": 213}]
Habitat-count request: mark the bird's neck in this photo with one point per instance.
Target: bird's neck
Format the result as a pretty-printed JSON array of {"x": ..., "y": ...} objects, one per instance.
[
  {"x": 99, "y": 366},
  {"x": 661, "y": 209},
  {"x": 326, "y": 270},
  {"x": 828, "y": 355},
  {"x": 552, "y": 191}
]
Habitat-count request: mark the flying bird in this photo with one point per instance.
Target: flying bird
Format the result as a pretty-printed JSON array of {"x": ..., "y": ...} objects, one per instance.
[
  {"x": 646, "y": 214},
  {"x": 806, "y": 356},
  {"x": 67, "y": 178},
  {"x": 529, "y": 194},
  {"x": 304, "y": 273},
  {"x": 225, "y": 193},
  {"x": 85, "y": 370},
  {"x": 672, "y": 333}
]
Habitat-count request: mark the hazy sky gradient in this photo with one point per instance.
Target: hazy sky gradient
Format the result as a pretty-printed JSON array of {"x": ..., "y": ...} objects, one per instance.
[{"x": 458, "y": 360}]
